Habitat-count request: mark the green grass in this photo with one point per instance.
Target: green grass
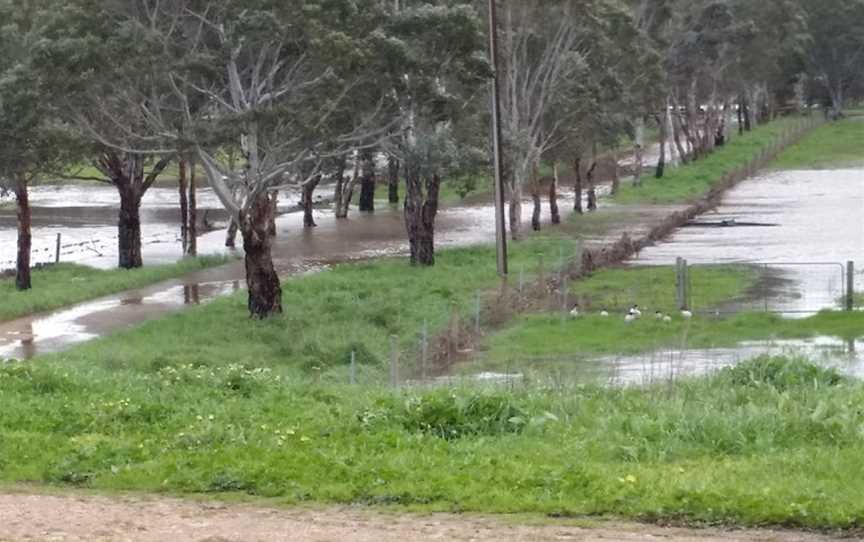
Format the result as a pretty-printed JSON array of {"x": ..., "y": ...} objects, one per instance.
[
  {"x": 773, "y": 442},
  {"x": 65, "y": 284},
  {"x": 353, "y": 307},
  {"x": 688, "y": 182},
  {"x": 833, "y": 145},
  {"x": 653, "y": 287},
  {"x": 546, "y": 336}
]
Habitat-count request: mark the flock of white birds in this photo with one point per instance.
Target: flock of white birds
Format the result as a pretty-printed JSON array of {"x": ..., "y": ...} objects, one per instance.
[{"x": 635, "y": 313}]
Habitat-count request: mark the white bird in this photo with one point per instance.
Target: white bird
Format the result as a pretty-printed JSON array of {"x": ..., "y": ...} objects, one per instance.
[
  {"x": 635, "y": 312},
  {"x": 667, "y": 319},
  {"x": 629, "y": 318},
  {"x": 686, "y": 314},
  {"x": 658, "y": 315},
  {"x": 604, "y": 313},
  {"x": 575, "y": 312}
]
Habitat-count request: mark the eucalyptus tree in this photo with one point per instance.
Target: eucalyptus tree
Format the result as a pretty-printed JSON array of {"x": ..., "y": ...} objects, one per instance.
[
  {"x": 100, "y": 57},
  {"x": 35, "y": 142},
  {"x": 540, "y": 54},
  {"x": 834, "y": 54},
  {"x": 434, "y": 60}
]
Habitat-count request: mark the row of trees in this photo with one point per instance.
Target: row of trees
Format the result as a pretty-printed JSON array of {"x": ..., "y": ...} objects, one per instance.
[{"x": 262, "y": 94}]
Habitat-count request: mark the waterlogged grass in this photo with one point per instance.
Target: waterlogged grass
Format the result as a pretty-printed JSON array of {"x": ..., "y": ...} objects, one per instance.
[
  {"x": 653, "y": 287},
  {"x": 65, "y": 284},
  {"x": 354, "y": 307},
  {"x": 772, "y": 442},
  {"x": 548, "y": 336},
  {"x": 688, "y": 182},
  {"x": 833, "y": 145}
]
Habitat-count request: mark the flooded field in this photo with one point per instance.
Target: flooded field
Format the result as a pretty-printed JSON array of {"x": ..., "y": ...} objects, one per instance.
[{"x": 801, "y": 226}]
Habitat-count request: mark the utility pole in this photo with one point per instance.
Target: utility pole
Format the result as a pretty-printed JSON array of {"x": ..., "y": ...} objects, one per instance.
[{"x": 500, "y": 225}]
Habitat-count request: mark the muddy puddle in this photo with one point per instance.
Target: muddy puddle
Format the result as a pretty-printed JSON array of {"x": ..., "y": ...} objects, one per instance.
[{"x": 296, "y": 251}]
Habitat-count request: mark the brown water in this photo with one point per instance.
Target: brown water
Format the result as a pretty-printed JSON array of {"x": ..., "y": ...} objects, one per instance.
[{"x": 296, "y": 251}]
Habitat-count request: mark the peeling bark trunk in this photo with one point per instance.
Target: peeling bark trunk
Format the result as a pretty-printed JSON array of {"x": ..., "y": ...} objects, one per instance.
[
  {"x": 345, "y": 192},
  {"x": 553, "y": 196},
  {"x": 676, "y": 138},
  {"x": 25, "y": 239},
  {"x": 192, "y": 246},
  {"x": 265, "y": 291},
  {"x": 393, "y": 180},
  {"x": 420, "y": 211},
  {"x": 577, "y": 187},
  {"x": 184, "y": 207},
  {"x": 306, "y": 200},
  {"x": 592, "y": 189},
  {"x": 129, "y": 230},
  {"x": 639, "y": 148},
  {"x": 367, "y": 184}
]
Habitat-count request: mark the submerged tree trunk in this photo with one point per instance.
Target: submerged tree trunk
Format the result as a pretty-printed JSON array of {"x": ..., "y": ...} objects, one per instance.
[
  {"x": 367, "y": 183},
  {"x": 22, "y": 269},
  {"x": 184, "y": 207},
  {"x": 420, "y": 211},
  {"x": 536, "y": 203},
  {"x": 129, "y": 226},
  {"x": 664, "y": 136},
  {"x": 592, "y": 189},
  {"x": 192, "y": 246},
  {"x": 554, "y": 213},
  {"x": 345, "y": 191},
  {"x": 393, "y": 180},
  {"x": 577, "y": 187},
  {"x": 306, "y": 201},
  {"x": 265, "y": 291}
]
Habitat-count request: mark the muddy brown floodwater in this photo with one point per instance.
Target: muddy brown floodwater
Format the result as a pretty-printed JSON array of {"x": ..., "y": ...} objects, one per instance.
[{"x": 296, "y": 251}]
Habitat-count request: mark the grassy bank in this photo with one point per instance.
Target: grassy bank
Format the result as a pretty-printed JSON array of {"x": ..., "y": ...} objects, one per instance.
[
  {"x": 65, "y": 284},
  {"x": 691, "y": 181},
  {"x": 768, "y": 443},
  {"x": 353, "y": 307},
  {"x": 833, "y": 145}
]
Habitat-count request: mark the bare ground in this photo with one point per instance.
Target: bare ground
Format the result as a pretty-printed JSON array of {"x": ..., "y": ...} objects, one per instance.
[{"x": 93, "y": 518}]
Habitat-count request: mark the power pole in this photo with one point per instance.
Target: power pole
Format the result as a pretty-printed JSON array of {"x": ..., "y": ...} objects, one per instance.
[{"x": 500, "y": 225}]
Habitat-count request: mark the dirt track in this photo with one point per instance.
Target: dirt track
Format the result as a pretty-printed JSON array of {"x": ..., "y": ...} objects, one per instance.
[{"x": 80, "y": 518}]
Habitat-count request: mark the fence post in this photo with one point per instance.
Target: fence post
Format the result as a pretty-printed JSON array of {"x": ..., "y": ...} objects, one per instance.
[
  {"x": 685, "y": 268},
  {"x": 353, "y": 373},
  {"x": 57, "y": 251},
  {"x": 679, "y": 282},
  {"x": 521, "y": 278},
  {"x": 850, "y": 285},
  {"x": 394, "y": 361}
]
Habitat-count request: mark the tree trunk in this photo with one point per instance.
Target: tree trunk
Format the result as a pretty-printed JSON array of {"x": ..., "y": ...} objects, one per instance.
[
  {"x": 22, "y": 197},
  {"x": 516, "y": 210},
  {"x": 231, "y": 234},
  {"x": 748, "y": 122},
  {"x": 274, "y": 210},
  {"x": 638, "y": 148},
  {"x": 393, "y": 180},
  {"x": 420, "y": 211},
  {"x": 367, "y": 184},
  {"x": 345, "y": 192},
  {"x": 577, "y": 187},
  {"x": 741, "y": 115},
  {"x": 535, "y": 213},
  {"x": 676, "y": 137},
  {"x": 554, "y": 213},
  {"x": 192, "y": 247},
  {"x": 184, "y": 207},
  {"x": 661, "y": 162},
  {"x": 129, "y": 230},
  {"x": 306, "y": 200},
  {"x": 265, "y": 291},
  {"x": 592, "y": 189},
  {"x": 616, "y": 175}
]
